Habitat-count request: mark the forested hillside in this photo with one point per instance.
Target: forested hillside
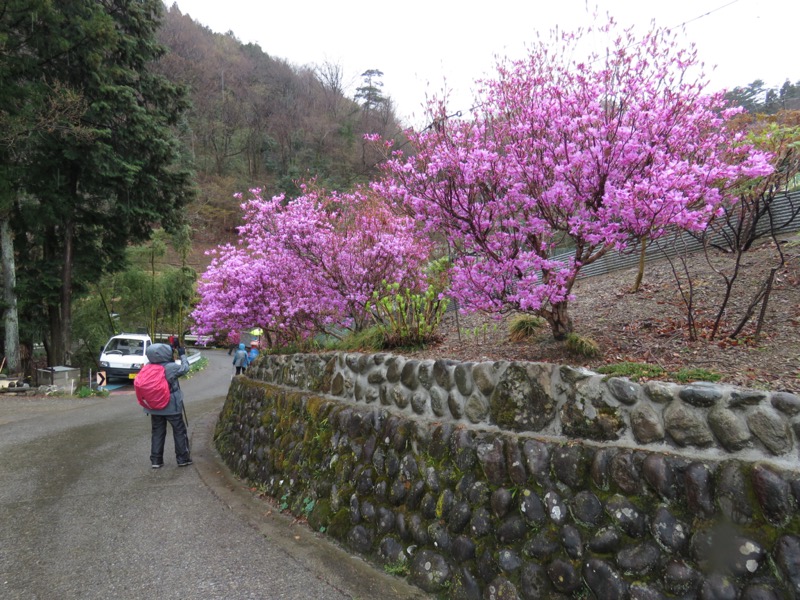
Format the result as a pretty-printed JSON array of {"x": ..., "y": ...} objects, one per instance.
[{"x": 257, "y": 121}]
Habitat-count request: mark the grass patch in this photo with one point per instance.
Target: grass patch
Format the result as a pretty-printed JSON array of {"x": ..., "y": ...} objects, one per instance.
[
  {"x": 632, "y": 370},
  {"x": 294, "y": 348},
  {"x": 636, "y": 371},
  {"x": 85, "y": 392},
  {"x": 579, "y": 345},
  {"x": 199, "y": 365},
  {"x": 687, "y": 374},
  {"x": 370, "y": 339},
  {"x": 398, "y": 568},
  {"x": 524, "y": 327}
]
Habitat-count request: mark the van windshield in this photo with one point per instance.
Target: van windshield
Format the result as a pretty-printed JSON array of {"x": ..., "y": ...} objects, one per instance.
[{"x": 126, "y": 347}]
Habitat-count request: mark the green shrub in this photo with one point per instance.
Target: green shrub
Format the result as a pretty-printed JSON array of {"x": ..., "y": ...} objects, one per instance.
[
  {"x": 407, "y": 318},
  {"x": 524, "y": 327},
  {"x": 410, "y": 318},
  {"x": 632, "y": 370},
  {"x": 579, "y": 345}
]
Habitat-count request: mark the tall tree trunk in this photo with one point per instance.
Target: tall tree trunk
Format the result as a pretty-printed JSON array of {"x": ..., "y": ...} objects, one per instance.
[
  {"x": 53, "y": 344},
  {"x": 153, "y": 320},
  {"x": 10, "y": 316},
  {"x": 66, "y": 293},
  {"x": 60, "y": 314}
]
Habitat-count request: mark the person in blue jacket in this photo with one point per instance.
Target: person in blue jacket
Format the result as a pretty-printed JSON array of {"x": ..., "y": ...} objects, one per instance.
[
  {"x": 240, "y": 359},
  {"x": 253, "y": 354},
  {"x": 173, "y": 413}
]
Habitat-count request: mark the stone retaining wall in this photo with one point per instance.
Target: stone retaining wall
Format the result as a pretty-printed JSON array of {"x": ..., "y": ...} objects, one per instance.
[{"x": 526, "y": 480}]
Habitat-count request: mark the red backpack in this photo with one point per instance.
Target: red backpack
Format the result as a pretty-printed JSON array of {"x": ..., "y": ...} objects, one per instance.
[{"x": 152, "y": 387}]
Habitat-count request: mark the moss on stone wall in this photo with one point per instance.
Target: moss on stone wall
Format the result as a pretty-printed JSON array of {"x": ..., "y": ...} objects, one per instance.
[{"x": 465, "y": 510}]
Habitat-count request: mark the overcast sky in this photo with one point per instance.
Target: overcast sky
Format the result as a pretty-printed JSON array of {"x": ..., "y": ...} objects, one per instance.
[{"x": 421, "y": 46}]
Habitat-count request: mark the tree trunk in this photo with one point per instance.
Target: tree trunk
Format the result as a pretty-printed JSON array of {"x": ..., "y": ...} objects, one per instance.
[
  {"x": 11, "y": 318},
  {"x": 66, "y": 294},
  {"x": 60, "y": 314},
  {"x": 560, "y": 321},
  {"x": 53, "y": 344},
  {"x": 640, "y": 273},
  {"x": 763, "y": 313}
]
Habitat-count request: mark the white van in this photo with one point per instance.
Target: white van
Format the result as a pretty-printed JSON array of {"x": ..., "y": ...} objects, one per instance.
[{"x": 124, "y": 355}]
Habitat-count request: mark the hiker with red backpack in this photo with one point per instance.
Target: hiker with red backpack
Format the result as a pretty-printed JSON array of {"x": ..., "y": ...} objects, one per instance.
[{"x": 159, "y": 393}]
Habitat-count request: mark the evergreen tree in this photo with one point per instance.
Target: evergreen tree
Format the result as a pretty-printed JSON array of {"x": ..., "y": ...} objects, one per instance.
[
  {"x": 755, "y": 98},
  {"x": 87, "y": 192},
  {"x": 370, "y": 94},
  {"x": 30, "y": 106}
]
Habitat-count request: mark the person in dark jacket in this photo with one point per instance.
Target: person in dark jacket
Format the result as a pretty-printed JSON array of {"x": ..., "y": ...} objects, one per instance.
[
  {"x": 173, "y": 412},
  {"x": 240, "y": 360}
]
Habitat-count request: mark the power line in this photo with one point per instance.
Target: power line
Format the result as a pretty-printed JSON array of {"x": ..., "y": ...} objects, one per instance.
[{"x": 712, "y": 11}]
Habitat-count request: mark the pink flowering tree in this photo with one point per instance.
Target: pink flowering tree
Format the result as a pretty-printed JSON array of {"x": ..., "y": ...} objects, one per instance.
[
  {"x": 586, "y": 155},
  {"x": 309, "y": 265}
]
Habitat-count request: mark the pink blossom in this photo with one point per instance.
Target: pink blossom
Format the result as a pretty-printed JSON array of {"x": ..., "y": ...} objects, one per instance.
[
  {"x": 308, "y": 264},
  {"x": 585, "y": 155}
]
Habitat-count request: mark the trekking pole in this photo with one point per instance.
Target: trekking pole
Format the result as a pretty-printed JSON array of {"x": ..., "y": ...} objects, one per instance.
[{"x": 186, "y": 420}]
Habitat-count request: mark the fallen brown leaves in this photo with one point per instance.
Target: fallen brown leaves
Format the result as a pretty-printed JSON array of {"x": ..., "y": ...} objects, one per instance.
[{"x": 650, "y": 326}]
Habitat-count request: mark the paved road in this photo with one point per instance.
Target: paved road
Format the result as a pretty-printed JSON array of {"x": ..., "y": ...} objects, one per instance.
[{"x": 82, "y": 514}]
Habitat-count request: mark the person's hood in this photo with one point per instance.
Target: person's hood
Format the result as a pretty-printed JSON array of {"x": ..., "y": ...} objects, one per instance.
[
  {"x": 241, "y": 346},
  {"x": 159, "y": 353}
]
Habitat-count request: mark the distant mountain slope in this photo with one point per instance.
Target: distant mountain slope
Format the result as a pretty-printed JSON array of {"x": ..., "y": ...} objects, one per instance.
[{"x": 258, "y": 121}]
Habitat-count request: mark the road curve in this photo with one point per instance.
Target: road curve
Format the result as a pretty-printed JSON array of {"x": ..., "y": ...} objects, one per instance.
[{"x": 82, "y": 514}]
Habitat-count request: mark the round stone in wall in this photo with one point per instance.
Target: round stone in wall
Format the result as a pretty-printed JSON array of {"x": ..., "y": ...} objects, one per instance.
[
  {"x": 685, "y": 426},
  {"x": 731, "y": 431},
  {"x": 788, "y": 404},
  {"x": 429, "y": 571},
  {"x": 438, "y": 401},
  {"x": 485, "y": 376},
  {"x": 624, "y": 390},
  {"x": 408, "y": 375},
  {"x": 646, "y": 424},
  {"x": 520, "y": 403},
  {"x": 772, "y": 430},
  {"x": 476, "y": 408}
]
